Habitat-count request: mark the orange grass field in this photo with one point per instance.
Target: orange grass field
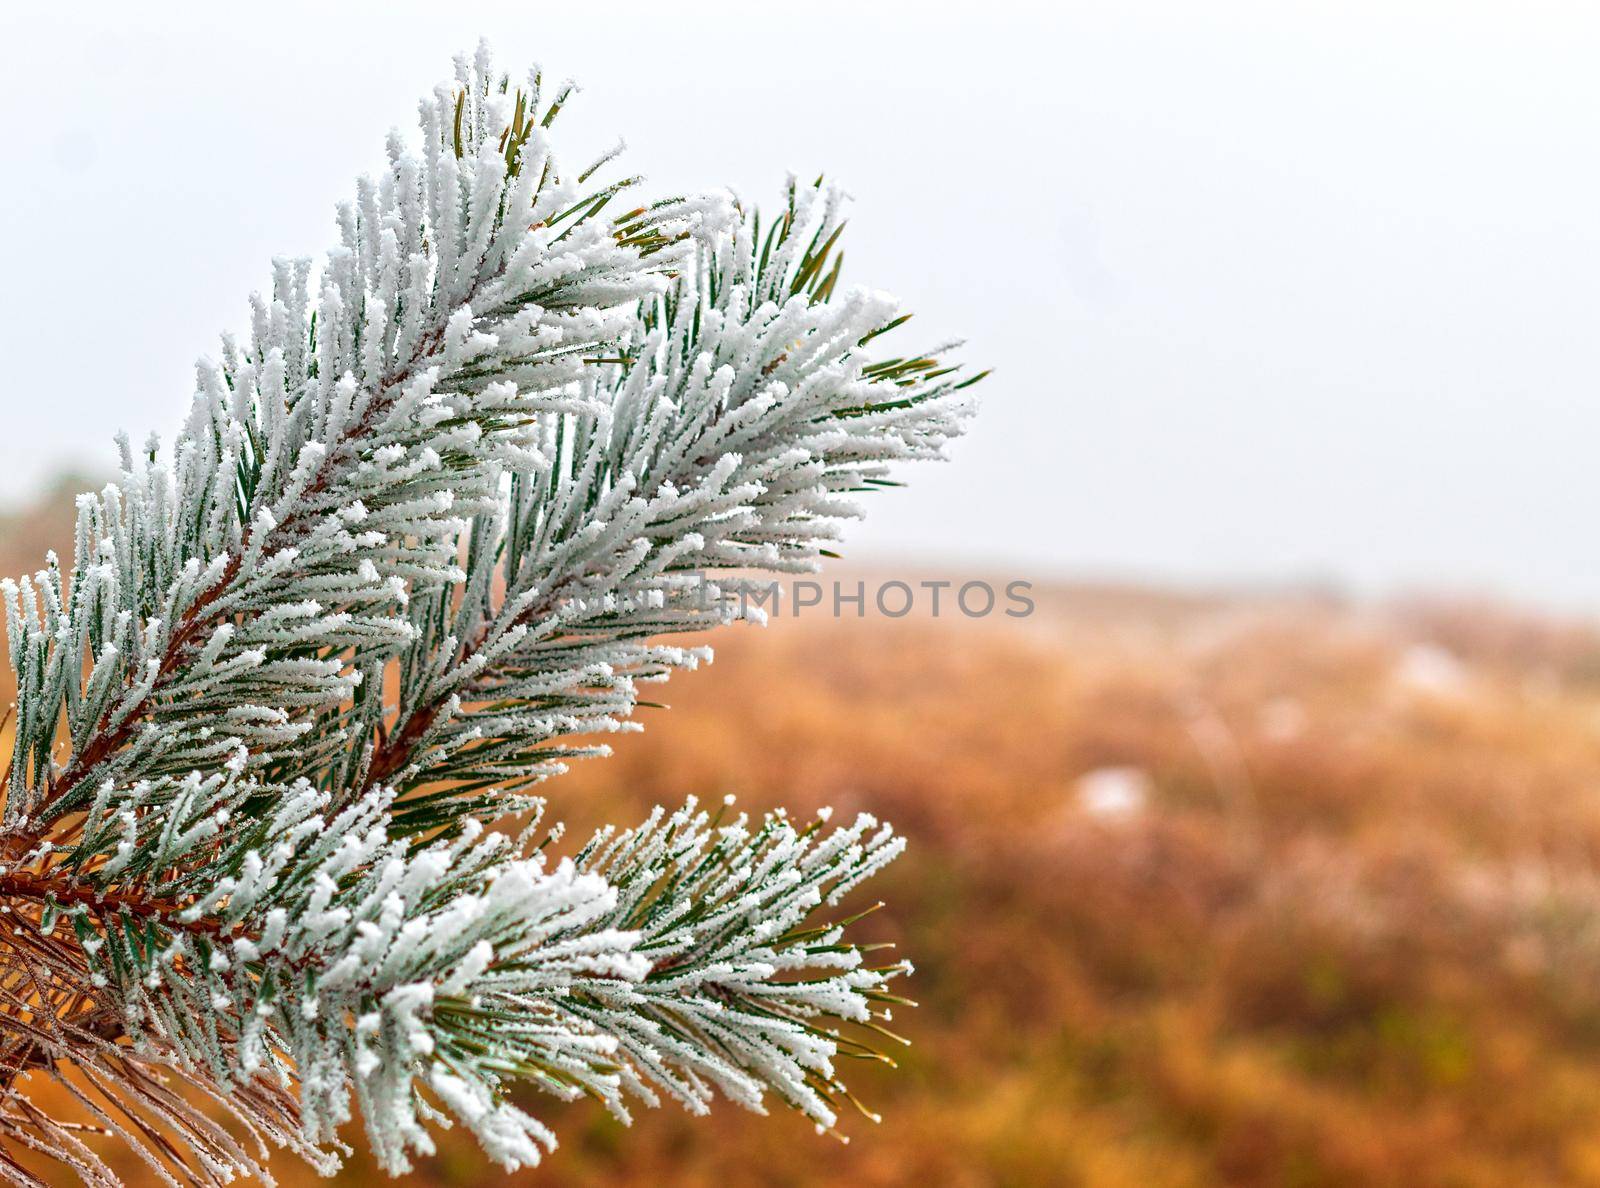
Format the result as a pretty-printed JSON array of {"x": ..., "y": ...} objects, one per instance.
[{"x": 1201, "y": 890}]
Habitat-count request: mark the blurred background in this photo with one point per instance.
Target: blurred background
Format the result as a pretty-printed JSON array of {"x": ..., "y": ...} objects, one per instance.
[{"x": 1266, "y": 851}]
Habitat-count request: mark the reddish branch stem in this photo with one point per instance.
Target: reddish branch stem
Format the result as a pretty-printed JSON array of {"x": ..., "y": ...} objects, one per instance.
[{"x": 42, "y": 888}]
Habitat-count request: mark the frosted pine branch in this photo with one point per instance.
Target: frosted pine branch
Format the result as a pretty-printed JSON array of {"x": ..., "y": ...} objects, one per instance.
[
  {"x": 251, "y": 579},
  {"x": 416, "y": 545},
  {"x": 323, "y": 954},
  {"x": 744, "y": 416},
  {"x": 746, "y": 992}
]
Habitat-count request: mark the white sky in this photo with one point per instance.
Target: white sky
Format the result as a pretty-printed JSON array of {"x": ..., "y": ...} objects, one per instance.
[{"x": 1274, "y": 291}]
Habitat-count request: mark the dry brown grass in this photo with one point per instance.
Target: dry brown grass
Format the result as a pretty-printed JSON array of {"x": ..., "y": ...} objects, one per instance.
[{"x": 1351, "y": 937}]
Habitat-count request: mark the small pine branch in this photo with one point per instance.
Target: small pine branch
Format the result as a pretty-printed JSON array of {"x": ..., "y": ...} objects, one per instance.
[
  {"x": 747, "y": 992},
  {"x": 421, "y": 534},
  {"x": 743, "y": 417}
]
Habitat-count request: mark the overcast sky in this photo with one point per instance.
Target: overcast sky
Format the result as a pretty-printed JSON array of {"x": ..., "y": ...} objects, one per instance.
[{"x": 1275, "y": 291}]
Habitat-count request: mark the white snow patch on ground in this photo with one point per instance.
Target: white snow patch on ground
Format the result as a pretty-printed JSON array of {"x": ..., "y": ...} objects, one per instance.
[
  {"x": 1430, "y": 669},
  {"x": 1114, "y": 791}
]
